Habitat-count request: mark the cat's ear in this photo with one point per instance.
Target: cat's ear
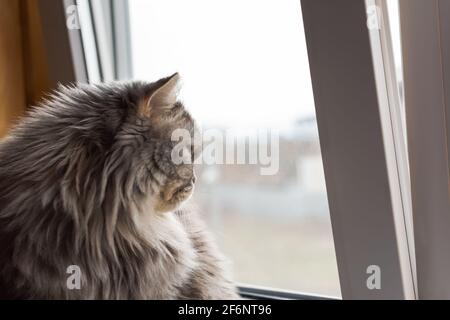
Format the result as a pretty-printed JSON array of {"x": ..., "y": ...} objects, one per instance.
[{"x": 163, "y": 97}]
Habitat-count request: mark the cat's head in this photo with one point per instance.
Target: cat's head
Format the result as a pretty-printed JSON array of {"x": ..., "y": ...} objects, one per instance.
[
  {"x": 161, "y": 115},
  {"x": 125, "y": 132},
  {"x": 91, "y": 160}
]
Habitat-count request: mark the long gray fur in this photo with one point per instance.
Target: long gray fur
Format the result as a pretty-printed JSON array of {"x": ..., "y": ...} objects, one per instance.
[{"x": 86, "y": 179}]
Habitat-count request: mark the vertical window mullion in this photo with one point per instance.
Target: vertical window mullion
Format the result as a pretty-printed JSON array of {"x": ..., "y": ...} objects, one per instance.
[
  {"x": 363, "y": 193},
  {"x": 425, "y": 33}
]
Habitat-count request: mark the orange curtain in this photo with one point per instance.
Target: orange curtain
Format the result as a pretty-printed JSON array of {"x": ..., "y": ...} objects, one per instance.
[{"x": 23, "y": 66}]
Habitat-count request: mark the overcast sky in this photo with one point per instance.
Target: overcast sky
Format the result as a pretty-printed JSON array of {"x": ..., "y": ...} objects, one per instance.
[{"x": 244, "y": 62}]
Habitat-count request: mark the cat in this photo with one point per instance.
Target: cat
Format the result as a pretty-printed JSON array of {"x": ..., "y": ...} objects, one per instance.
[{"x": 86, "y": 180}]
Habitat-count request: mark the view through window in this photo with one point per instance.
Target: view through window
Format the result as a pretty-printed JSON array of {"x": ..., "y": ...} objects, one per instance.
[
  {"x": 394, "y": 23},
  {"x": 245, "y": 69},
  {"x": 393, "y": 11}
]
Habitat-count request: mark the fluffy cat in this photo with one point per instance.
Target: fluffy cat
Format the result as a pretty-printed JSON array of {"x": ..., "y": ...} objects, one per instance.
[{"x": 86, "y": 179}]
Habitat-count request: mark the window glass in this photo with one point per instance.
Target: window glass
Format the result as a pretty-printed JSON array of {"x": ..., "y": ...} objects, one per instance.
[
  {"x": 394, "y": 24},
  {"x": 247, "y": 80}
]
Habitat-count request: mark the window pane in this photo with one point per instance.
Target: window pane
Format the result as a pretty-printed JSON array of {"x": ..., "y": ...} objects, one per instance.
[
  {"x": 246, "y": 73},
  {"x": 394, "y": 25}
]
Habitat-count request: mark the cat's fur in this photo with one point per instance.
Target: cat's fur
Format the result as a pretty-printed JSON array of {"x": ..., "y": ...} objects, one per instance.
[{"x": 87, "y": 179}]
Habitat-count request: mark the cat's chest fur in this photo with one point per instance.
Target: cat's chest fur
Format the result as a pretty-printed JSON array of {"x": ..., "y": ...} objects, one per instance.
[
  {"x": 157, "y": 265},
  {"x": 172, "y": 257},
  {"x": 163, "y": 263}
]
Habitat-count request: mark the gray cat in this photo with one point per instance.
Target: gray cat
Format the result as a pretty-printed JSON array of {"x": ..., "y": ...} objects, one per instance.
[{"x": 87, "y": 180}]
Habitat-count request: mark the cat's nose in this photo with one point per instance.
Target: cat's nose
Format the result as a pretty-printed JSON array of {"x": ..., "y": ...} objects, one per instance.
[{"x": 194, "y": 178}]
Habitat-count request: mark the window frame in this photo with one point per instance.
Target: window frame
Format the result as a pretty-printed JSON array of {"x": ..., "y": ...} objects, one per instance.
[
  {"x": 64, "y": 47},
  {"x": 104, "y": 27},
  {"x": 260, "y": 293},
  {"x": 359, "y": 151},
  {"x": 428, "y": 120}
]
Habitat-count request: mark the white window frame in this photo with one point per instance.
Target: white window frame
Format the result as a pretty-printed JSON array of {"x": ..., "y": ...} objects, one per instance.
[
  {"x": 425, "y": 28},
  {"x": 363, "y": 162},
  {"x": 104, "y": 35}
]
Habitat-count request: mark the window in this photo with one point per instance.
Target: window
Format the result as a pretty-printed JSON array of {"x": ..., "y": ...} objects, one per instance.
[
  {"x": 246, "y": 71},
  {"x": 394, "y": 24}
]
